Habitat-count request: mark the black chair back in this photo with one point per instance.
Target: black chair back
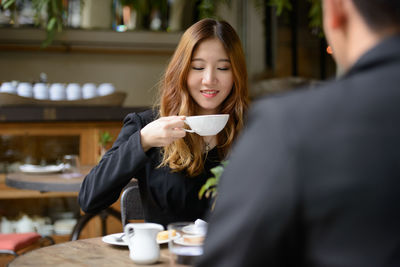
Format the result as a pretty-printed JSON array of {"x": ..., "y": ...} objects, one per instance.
[{"x": 131, "y": 204}]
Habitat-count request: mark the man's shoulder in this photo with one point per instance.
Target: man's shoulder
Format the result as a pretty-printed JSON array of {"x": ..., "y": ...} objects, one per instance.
[
  {"x": 299, "y": 113},
  {"x": 304, "y": 99}
]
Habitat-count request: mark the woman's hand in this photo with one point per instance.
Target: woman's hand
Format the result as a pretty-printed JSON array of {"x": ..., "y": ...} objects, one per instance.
[{"x": 162, "y": 132}]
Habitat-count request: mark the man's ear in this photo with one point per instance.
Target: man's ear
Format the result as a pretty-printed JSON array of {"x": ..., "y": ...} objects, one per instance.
[{"x": 336, "y": 13}]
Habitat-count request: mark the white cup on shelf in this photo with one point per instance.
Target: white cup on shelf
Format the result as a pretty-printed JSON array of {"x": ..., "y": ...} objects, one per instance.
[
  {"x": 24, "y": 225},
  {"x": 89, "y": 90},
  {"x": 46, "y": 229},
  {"x": 7, "y": 226},
  {"x": 25, "y": 89},
  {"x": 40, "y": 91},
  {"x": 8, "y": 87},
  {"x": 57, "y": 91},
  {"x": 73, "y": 91},
  {"x": 105, "y": 89}
]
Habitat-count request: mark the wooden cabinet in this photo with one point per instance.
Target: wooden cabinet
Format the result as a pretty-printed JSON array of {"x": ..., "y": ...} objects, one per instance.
[
  {"x": 87, "y": 133},
  {"x": 83, "y": 136}
]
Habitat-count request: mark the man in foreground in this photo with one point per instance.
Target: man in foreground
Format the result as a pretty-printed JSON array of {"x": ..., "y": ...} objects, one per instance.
[{"x": 315, "y": 178}]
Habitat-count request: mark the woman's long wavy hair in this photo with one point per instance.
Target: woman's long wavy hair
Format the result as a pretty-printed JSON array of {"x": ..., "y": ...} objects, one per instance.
[{"x": 187, "y": 154}]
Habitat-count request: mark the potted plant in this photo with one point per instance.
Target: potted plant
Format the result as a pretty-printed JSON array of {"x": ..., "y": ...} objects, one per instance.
[
  {"x": 105, "y": 140},
  {"x": 210, "y": 188}
]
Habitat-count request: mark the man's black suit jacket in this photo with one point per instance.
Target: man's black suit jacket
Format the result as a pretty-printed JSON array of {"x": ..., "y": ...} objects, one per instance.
[{"x": 315, "y": 178}]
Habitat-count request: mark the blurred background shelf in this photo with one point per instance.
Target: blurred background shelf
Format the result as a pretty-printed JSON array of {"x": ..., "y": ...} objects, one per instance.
[
  {"x": 114, "y": 99},
  {"x": 45, "y": 113},
  {"x": 101, "y": 41}
]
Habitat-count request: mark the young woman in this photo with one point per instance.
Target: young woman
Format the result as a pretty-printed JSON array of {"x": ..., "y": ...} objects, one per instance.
[{"x": 207, "y": 75}]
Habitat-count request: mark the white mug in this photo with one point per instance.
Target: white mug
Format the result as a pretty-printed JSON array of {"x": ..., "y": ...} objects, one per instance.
[{"x": 206, "y": 125}]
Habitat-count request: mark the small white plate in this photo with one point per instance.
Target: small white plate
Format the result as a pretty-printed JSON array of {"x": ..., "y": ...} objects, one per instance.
[
  {"x": 113, "y": 239},
  {"x": 181, "y": 241},
  {"x": 193, "y": 229},
  {"x": 37, "y": 169}
]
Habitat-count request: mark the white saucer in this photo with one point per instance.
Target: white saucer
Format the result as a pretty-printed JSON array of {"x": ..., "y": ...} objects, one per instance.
[
  {"x": 113, "y": 239},
  {"x": 37, "y": 169}
]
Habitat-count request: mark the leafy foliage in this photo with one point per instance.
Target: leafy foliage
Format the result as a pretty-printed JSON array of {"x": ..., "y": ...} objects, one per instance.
[
  {"x": 281, "y": 5},
  {"x": 315, "y": 15},
  {"x": 208, "y": 8},
  {"x": 105, "y": 138},
  {"x": 210, "y": 188},
  {"x": 55, "y": 14}
]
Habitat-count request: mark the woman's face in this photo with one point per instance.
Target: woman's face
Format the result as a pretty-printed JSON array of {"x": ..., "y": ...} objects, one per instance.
[{"x": 210, "y": 78}]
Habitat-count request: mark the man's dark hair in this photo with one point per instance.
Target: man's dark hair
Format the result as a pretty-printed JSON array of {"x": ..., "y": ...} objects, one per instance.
[{"x": 379, "y": 14}]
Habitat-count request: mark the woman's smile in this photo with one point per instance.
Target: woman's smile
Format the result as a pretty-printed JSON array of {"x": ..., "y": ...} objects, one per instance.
[{"x": 209, "y": 93}]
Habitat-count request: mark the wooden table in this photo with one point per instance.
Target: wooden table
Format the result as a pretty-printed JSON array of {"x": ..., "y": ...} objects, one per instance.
[
  {"x": 84, "y": 252},
  {"x": 52, "y": 182}
]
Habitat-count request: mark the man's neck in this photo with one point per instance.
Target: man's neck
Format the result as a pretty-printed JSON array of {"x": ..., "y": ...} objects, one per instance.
[
  {"x": 360, "y": 41},
  {"x": 363, "y": 43}
]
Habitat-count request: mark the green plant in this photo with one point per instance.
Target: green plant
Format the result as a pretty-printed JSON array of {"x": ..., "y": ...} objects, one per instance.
[
  {"x": 314, "y": 14},
  {"x": 55, "y": 13},
  {"x": 207, "y": 8},
  {"x": 105, "y": 139},
  {"x": 210, "y": 188}
]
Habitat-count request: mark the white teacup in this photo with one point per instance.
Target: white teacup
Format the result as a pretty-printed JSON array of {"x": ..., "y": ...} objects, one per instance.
[
  {"x": 40, "y": 91},
  {"x": 105, "y": 89},
  {"x": 206, "y": 125},
  {"x": 6, "y": 226},
  {"x": 24, "y": 225},
  {"x": 89, "y": 90},
  {"x": 73, "y": 91},
  {"x": 8, "y": 87},
  {"x": 57, "y": 91},
  {"x": 25, "y": 89}
]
